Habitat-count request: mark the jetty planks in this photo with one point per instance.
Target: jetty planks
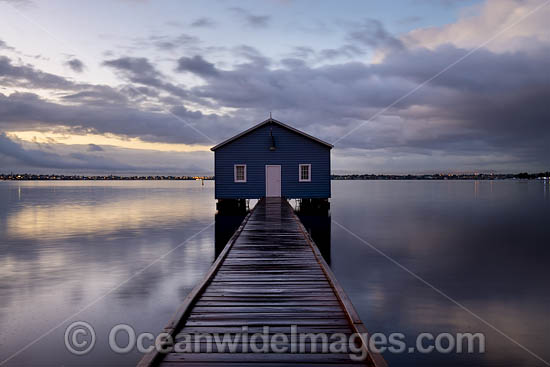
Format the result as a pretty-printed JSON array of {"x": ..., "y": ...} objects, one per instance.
[{"x": 269, "y": 274}]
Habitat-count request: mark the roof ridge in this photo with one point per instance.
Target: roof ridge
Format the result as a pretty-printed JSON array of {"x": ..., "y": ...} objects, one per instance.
[{"x": 265, "y": 122}]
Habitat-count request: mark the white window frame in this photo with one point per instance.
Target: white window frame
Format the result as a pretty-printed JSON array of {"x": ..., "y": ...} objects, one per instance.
[
  {"x": 235, "y": 172},
  {"x": 300, "y": 172}
]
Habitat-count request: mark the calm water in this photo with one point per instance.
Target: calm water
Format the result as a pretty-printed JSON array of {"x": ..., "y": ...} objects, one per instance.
[{"x": 75, "y": 251}]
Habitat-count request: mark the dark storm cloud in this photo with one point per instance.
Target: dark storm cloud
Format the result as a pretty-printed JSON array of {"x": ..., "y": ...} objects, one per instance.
[
  {"x": 251, "y": 20},
  {"x": 495, "y": 98},
  {"x": 203, "y": 22},
  {"x": 469, "y": 107},
  {"x": 197, "y": 65},
  {"x": 76, "y": 65},
  {"x": 41, "y": 158},
  {"x": 482, "y": 71}
]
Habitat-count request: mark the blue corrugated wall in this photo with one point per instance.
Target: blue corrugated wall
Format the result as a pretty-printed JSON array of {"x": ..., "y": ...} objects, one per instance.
[{"x": 292, "y": 149}]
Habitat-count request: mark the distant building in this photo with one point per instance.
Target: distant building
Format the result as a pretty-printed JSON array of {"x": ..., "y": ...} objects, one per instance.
[{"x": 272, "y": 159}]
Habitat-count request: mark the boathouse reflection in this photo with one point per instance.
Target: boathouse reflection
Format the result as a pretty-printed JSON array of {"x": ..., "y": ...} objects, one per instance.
[
  {"x": 315, "y": 218},
  {"x": 227, "y": 220}
]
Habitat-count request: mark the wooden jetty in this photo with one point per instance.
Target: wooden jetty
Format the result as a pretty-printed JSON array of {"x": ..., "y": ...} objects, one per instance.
[{"x": 269, "y": 274}]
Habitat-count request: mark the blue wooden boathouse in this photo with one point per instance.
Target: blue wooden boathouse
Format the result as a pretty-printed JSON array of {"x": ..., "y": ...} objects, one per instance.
[
  {"x": 272, "y": 159},
  {"x": 270, "y": 274}
]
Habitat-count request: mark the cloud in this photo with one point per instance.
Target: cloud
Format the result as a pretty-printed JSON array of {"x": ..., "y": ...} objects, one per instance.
[
  {"x": 203, "y": 22},
  {"x": 348, "y": 51},
  {"x": 101, "y": 94},
  {"x": 18, "y": 3},
  {"x": 488, "y": 109},
  {"x": 25, "y": 110},
  {"x": 302, "y": 52},
  {"x": 170, "y": 43},
  {"x": 480, "y": 72},
  {"x": 27, "y": 76},
  {"x": 493, "y": 17},
  {"x": 137, "y": 68},
  {"x": 140, "y": 70},
  {"x": 409, "y": 20},
  {"x": 76, "y": 65},
  {"x": 373, "y": 34},
  {"x": 197, "y": 65},
  {"x": 470, "y": 109},
  {"x": 172, "y": 124},
  {"x": 467, "y": 112},
  {"x": 19, "y": 156},
  {"x": 4, "y": 45},
  {"x": 94, "y": 148},
  {"x": 251, "y": 54},
  {"x": 41, "y": 158},
  {"x": 251, "y": 20}
]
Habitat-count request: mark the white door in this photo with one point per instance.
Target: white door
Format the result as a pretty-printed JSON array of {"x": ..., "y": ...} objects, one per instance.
[{"x": 272, "y": 181}]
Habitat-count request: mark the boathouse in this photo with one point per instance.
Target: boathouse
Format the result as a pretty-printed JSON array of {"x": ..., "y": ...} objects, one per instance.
[{"x": 272, "y": 159}]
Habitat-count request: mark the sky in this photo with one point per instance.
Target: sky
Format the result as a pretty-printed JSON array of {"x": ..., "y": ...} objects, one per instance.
[{"x": 142, "y": 86}]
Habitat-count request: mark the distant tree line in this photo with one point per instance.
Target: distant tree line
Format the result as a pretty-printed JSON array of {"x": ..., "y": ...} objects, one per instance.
[
  {"x": 438, "y": 176},
  {"x": 445, "y": 176},
  {"x": 55, "y": 177}
]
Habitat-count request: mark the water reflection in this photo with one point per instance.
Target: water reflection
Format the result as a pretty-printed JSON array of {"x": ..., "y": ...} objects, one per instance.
[
  {"x": 316, "y": 221},
  {"x": 65, "y": 246},
  {"x": 227, "y": 221},
  {"x": 482, "y": 243},
  {"x": 64, "y": 210}
]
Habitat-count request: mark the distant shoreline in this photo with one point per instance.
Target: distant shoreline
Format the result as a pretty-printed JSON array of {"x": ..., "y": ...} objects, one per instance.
[
  {"x": 438, "y": 176},
  {"x": 52, "y": 177},
  {"x": 442, "y": 176}
]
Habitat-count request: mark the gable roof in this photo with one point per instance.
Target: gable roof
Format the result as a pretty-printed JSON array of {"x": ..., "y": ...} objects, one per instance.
[{"x": 266, "y": 122}]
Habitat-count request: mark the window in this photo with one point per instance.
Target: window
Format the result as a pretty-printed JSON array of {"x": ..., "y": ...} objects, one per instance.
[
  {"x": 304, "y": 173},
  {"x": 240, "y": 173}
]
